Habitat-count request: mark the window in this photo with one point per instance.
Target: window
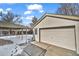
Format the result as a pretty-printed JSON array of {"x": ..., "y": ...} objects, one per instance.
[
  {"x": 24, "y": 32},
  {"x": 35, "y": 30},
  {"x": 5, "y": 33}
]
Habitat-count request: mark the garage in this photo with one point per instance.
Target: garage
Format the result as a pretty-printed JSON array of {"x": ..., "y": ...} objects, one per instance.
[
  {"x": 59, "y": 36},
  {"x": 58, "y": 30}
]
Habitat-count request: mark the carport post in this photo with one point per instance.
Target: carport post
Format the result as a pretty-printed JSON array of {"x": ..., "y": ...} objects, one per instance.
[
  {"x": 26, "y": 35},
  {"x": 33, "y": 34},
  {"x": 22, "y": 34}
]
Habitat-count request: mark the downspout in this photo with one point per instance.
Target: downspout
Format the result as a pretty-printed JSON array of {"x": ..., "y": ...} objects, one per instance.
[{"x": 75, "y": 39}]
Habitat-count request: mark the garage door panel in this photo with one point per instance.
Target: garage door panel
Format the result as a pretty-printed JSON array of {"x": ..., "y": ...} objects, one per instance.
[{"x": 63, "y": 37}]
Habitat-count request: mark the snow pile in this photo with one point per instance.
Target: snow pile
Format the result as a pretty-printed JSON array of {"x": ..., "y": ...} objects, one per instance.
[
  {"x": 13, "y": 49},
  {"x": 18, "y": 39},
  {"x": 7, "y": 50}
]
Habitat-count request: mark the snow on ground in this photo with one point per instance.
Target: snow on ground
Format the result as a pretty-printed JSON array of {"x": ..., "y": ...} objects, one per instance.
[
  {"x": 18, "y": 38},
  {"x": 13, "y": 49}
]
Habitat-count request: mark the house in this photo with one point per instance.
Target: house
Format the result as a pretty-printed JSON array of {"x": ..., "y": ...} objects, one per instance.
[
  {"x": 58, "y": 30},
  {"x": 7, "y": 29}
]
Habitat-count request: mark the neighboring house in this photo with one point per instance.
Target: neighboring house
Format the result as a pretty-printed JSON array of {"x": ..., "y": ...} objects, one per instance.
[
  {"x": 7, "y": 29},
  {"x": 59, "y": 30}
]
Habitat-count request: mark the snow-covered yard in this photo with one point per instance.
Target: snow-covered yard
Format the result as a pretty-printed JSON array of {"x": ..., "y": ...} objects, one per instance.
[{"x": 14, "y": 49}]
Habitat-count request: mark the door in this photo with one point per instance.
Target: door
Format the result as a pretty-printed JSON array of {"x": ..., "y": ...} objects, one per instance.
[{"x": 62, "y": 37}]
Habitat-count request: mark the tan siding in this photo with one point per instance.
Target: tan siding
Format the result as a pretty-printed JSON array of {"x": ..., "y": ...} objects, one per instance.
[{"x": 53, "y": 22}]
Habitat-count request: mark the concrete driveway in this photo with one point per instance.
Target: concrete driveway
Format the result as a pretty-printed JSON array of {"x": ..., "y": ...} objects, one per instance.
[
  {"x": 32, "y": 50},
  {"x": 43, "y": 49},
  {"x": 54, "y": 50}
]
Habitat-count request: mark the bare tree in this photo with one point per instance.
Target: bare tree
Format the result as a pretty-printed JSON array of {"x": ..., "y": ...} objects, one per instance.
[
  {"x": 34, "y": 21},
  {"x": 68, "y": 9},
  {"x": 10, "y": 17},
  {"x": 0, "y": 13}
]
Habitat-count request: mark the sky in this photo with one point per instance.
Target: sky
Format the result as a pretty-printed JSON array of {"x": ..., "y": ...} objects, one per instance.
[{"x": 28, "y": 10}]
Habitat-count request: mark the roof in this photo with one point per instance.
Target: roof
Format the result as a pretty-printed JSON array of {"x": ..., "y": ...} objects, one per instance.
[
  {"x": 67, "y": 17},
  {"x": 10, "y": 25}
]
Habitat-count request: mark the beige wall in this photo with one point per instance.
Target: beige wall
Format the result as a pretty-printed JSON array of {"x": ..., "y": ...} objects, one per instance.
[
  {"x": 36, "y": 36},
  {"x": 77, "y": 37},
  {"x": 56, "y": 22}
]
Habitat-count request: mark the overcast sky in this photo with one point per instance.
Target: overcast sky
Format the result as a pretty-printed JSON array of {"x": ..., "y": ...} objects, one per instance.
[{"x": 29, "y": 10}]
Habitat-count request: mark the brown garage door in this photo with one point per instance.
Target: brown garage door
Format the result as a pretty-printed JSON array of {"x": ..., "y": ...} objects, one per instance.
[{"x": 62, "y": 37}]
